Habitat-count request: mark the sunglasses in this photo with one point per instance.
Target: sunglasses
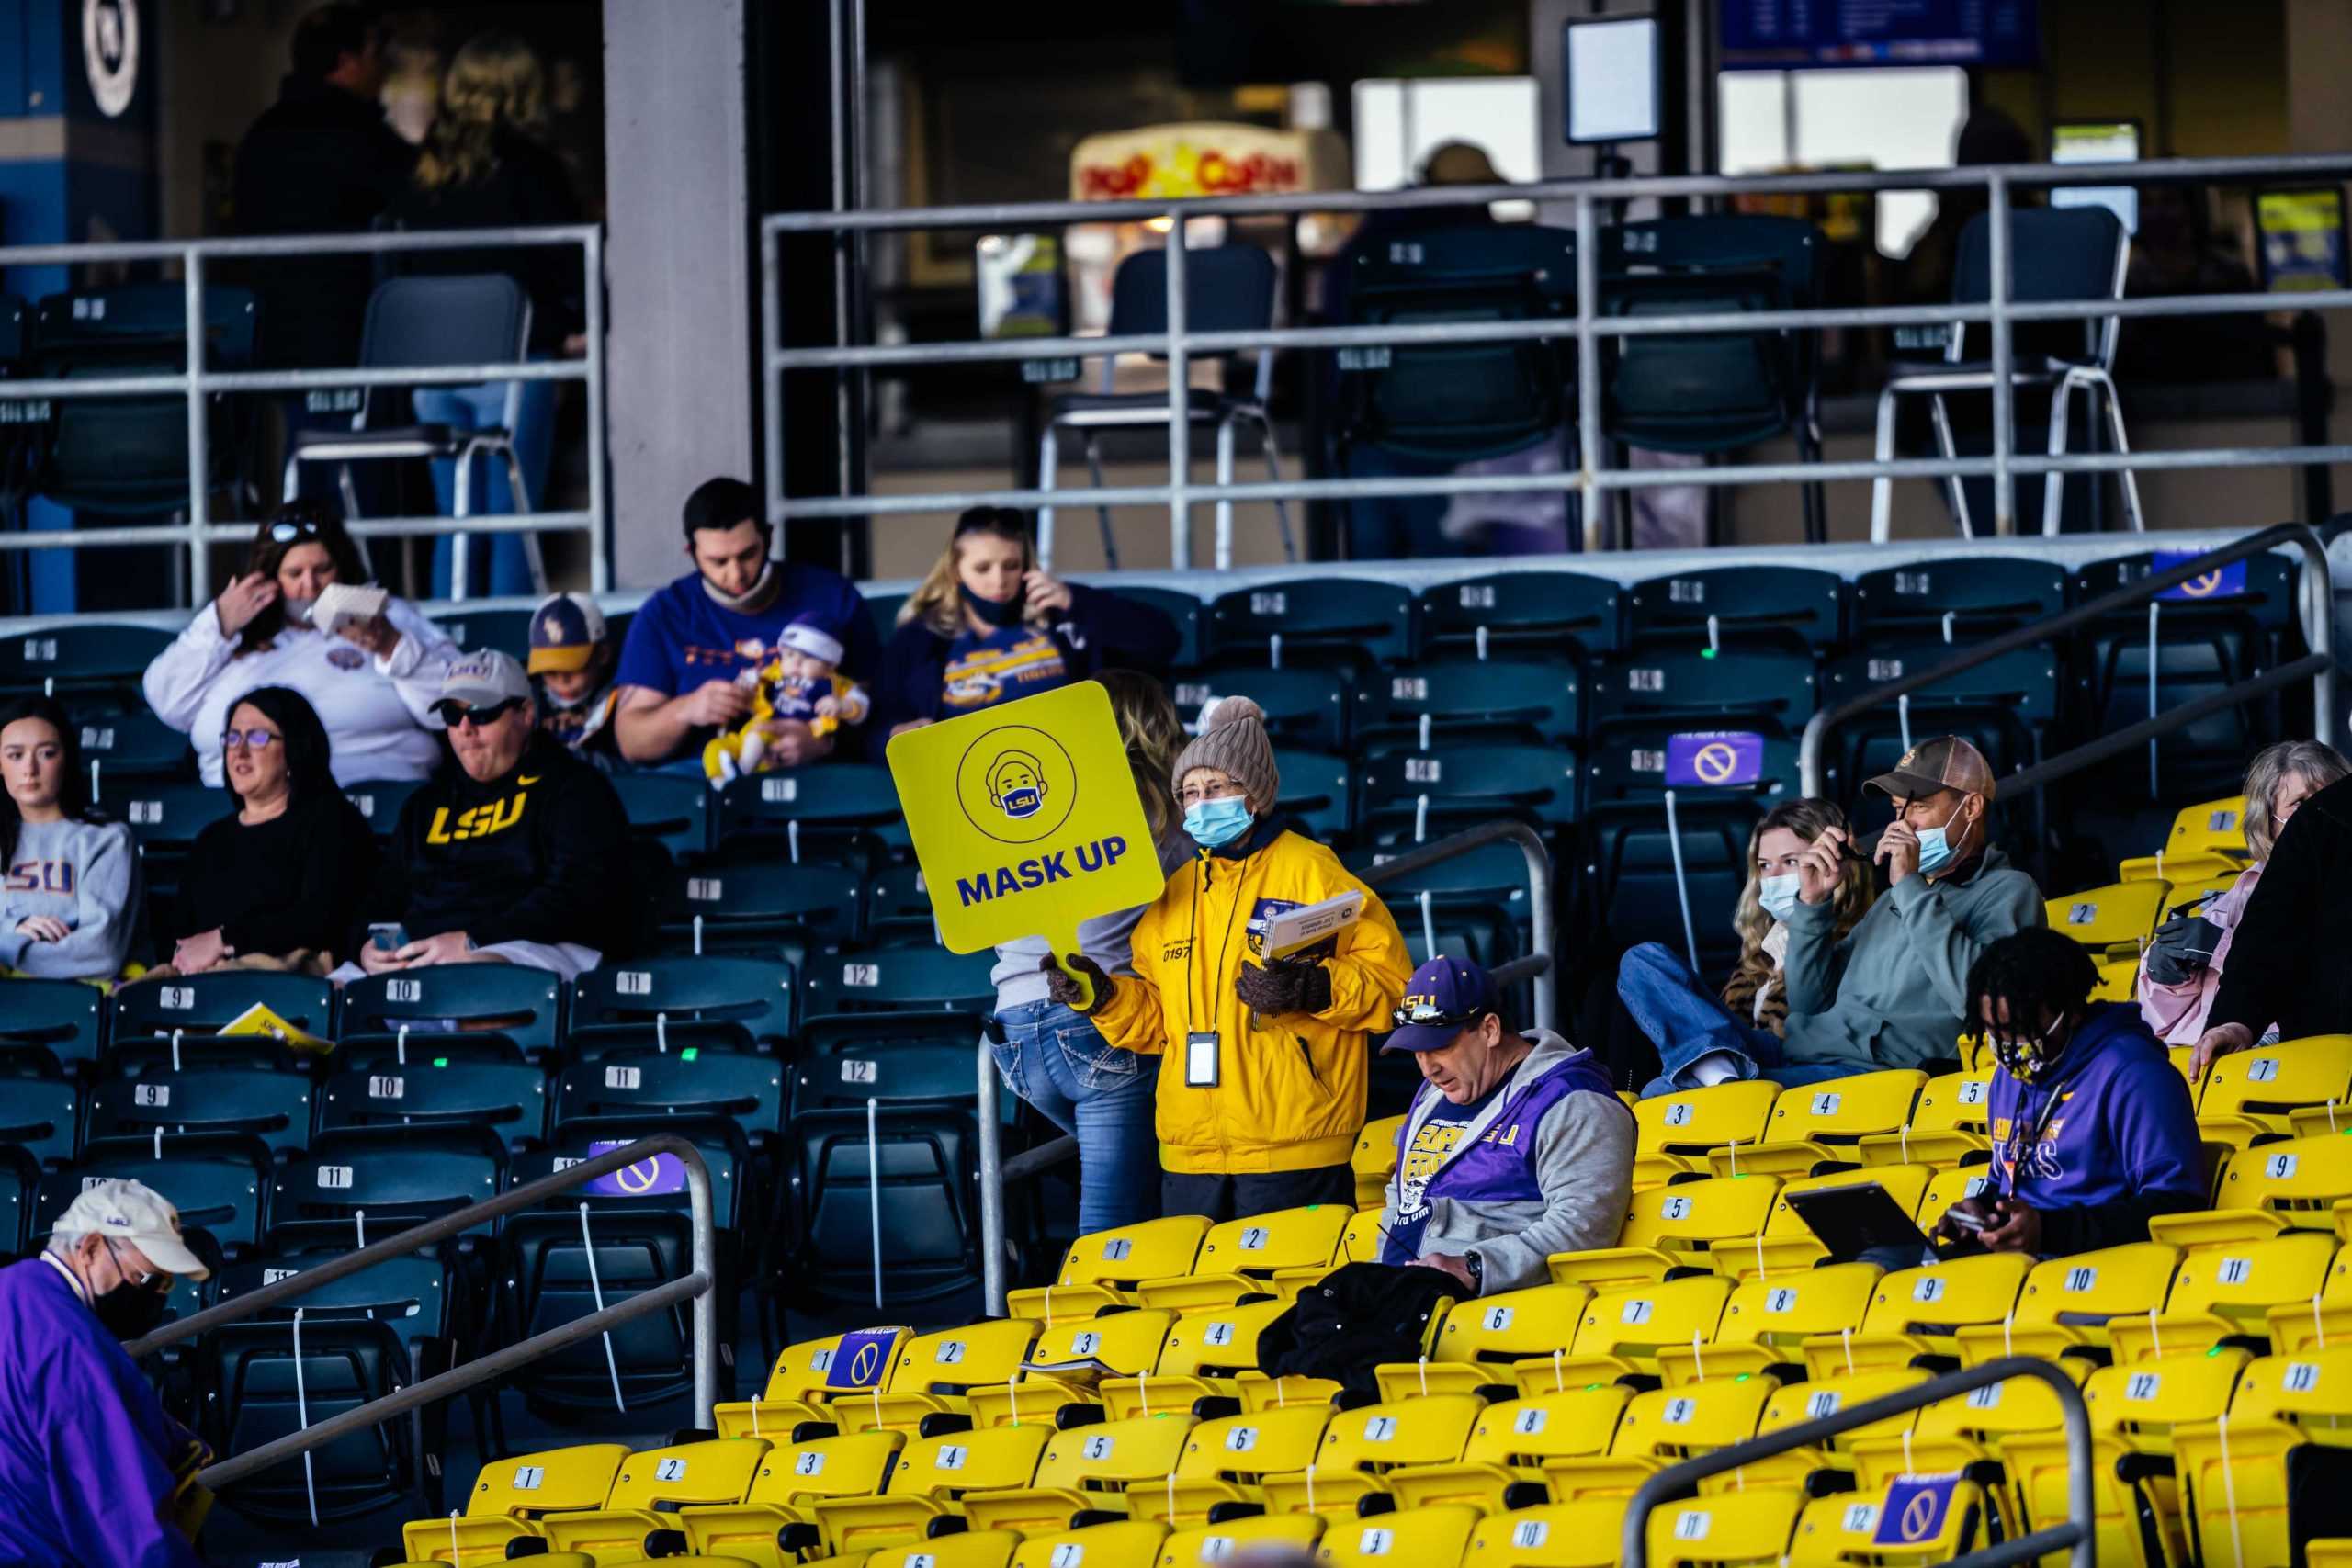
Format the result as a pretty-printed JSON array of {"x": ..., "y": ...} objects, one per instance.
[
  {"x": 1427, "y": 1017},
  {"x": 157, "y": 1280},
  {"x": 286, "y": 533},
  {"x": 256, "y": 739},
  {"x": 453, "y": 714}
]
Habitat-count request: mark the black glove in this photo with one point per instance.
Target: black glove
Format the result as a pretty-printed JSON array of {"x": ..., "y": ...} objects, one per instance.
[
  {"x": 1285, "y": 988},
  {"x": 2182, "y": 949},
  {"x": 1063, "y": 989}
]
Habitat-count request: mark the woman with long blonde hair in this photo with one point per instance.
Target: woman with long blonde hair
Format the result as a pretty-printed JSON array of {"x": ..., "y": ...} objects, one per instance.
[
  {"x": 486, "y": 166},
  {"x": 988, "y": 624},
  {"x": 1754, "y": 990},
  {"x": 1054, "y": 1058}
]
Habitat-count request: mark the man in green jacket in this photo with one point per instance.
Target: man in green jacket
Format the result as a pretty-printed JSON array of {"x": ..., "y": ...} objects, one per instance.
[{"x": 1894, "y": 991}]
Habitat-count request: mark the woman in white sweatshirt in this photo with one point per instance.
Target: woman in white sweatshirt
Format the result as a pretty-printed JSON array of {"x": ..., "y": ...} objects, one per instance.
[
  {"x": 372, "y": 686},
  {"x": 70, "y": 891}
]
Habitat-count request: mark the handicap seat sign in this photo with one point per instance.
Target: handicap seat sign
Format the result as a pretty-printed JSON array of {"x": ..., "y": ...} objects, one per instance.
[
  {"x": 862, "y": 1358},
  {"x": 1914, "y": 1510},
  {"x": 658, "y": 1177},
  {"x": 2221, "y": 583},
  {"x": 1024, "y": 819},
  {"x": 1717, "y": 758}
]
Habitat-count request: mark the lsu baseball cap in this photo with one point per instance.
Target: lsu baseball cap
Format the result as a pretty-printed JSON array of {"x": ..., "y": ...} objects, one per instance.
[
  {"x": 1445, "y": 997},
  {"x": 565, "y": 630},
  {"x": 130, "y": 1210},
  {"x": 478, "y": 680},
  {"x": 1945, "y": 763}
]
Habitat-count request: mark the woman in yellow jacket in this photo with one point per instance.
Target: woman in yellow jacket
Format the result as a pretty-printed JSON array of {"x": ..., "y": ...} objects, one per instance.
[{"x": 1262, "y": 1091}]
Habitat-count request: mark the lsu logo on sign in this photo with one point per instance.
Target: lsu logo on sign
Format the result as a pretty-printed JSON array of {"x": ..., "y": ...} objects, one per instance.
[{"x": 481, "y": 821}]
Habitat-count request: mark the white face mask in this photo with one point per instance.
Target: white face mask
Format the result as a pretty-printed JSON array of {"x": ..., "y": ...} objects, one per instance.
[{"x": 1778, "y": 894}]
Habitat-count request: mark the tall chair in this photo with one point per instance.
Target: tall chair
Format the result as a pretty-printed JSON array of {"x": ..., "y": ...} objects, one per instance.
[
  {"x": 1227, "y": 289},
  {"x": 2074, "y": 252},
  {"x": 477, "y": 320}
]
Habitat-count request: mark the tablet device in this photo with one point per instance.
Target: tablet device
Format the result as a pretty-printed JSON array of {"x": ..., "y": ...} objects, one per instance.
[{"x": 1854, "y": 1219}]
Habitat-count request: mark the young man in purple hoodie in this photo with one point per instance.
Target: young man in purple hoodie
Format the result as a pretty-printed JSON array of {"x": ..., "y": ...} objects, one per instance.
[{"x": 2093, "y": 1130}]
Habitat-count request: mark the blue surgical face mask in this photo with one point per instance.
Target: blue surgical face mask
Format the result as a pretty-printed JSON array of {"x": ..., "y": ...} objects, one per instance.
[
  {"x": 1778, "y": 895},
  {"x": 1934, "y": 846},
  {"x": 1213, "y": 823}
]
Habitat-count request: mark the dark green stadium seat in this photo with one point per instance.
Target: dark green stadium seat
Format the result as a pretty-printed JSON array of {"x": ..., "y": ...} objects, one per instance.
[
  {"x": 1524, "y": 612},
  {"x": 165, "y": 817},
  {"x": 899, "y": 980},
  {"x": 668, "y": 810},
  {"x": 41, "y": 1116},
  {"x": 129, "y": 746},
  {"x": 19, "y": 1180},
  {"x": 928, "y": 1238},
  {"x": 374, "y": 1089},
  {"x": 897, "y": 905},
  {"x": 63, "y": 1016},
  {"x": 1681, "y": 685},
  {"x": 1317, "y": 792},
  {"x": 893, "y": 1058},
  {"x": 1443, "y": 699},
  {"x": 1304, "y": 706},
  {"x": 1308, "y": 620},
  {"x": 755, "y": 996},
  {"x": 755, "y": 907},
  {"x": 206, "y": 1098},
  {"x": 884, "y": 610},
  {"x": 2005, "y": 707},
  {"x": 204, "y": 1004},
  {"x": 1184, "y": 609},
  {"x": 380, "y": 801},
  {"x": 828, "y": 811},
  {"x": 521, "y": 1003},
  {"x": 1787, "y": 605},
  {"x": 1424, "y": 795},
  {"x": 219, "y": 1185},
  {"x": 473, "y": 626},
  {"x": 396, "y": 1180},
  {"x": 82, "y": 657},
  {"x": 346, "y": 1361},
  {"x": 647, "y": 1086},
  {"x": 1969, "y": 595}
]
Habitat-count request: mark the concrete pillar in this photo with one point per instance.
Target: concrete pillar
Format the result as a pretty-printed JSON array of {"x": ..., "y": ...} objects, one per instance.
[{"x": 679, "y": 269}]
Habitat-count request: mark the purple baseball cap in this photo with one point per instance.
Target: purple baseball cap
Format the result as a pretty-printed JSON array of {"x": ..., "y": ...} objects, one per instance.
[{"x": 1445, "y": 997}]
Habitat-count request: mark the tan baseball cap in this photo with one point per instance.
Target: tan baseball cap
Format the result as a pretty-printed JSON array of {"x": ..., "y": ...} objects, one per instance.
[
  {"x": 1945, "y": 763},
  {"x": 132, "y": 1212}
]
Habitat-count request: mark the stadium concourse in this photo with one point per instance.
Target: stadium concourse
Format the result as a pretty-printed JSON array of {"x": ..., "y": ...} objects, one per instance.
[{"x": 799, "y": 1030}]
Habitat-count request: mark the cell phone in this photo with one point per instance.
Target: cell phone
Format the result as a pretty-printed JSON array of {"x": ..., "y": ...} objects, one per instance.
[
  {"x": 1965, "y": 1221},
  {"x": 388, "y": 937}
]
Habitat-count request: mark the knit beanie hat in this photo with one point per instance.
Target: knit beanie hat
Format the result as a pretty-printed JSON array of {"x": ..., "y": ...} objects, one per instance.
[{"x": 1233, "y": 739}]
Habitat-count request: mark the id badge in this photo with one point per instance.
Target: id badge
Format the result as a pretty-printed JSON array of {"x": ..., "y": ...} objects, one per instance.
[{"x": 1199, "y": 1059}]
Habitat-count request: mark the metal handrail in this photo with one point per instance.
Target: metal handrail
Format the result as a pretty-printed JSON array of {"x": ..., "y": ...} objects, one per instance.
[
  {"x": 996, "y": 1173},
  {"x": 2317, "y": 591},
  {"x": 2076, "y": 1536},
  {"x": 699, "y": 1284},
  {"x": 198, "y": 531}
]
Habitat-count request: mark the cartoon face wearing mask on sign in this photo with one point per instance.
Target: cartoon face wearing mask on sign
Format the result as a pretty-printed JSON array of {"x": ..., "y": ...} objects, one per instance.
[{"x": 1017, "y": 785}]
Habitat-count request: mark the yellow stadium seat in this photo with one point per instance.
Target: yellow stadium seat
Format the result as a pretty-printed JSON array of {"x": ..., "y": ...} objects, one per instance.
[
  {"x": 1104, "y": 1268},
  {"x": 1480, "y": 1337},
  {"x": 933, "y": 1371},
  {"x": 1084, "y": 1467},
  {"x": 1788, "y": 1244},
  {"x": 1918, "y": 1311},
  {"x": 1678, "y": 1224},
  {"x": 2206, "y": 839},
  {"x": 1769, "y": 1316},
  {"x": 2235, "y": 1474},
  {"x": 1949, "y": 1187},
  {"x": 1814, "y": 1122},
  {"x": 1203, "y": 1546},
  {"x": 1723, "y": 1529},
  {"x": 1361, "y": 1445},
  {"x": 510, "y": 1495},
  {"x": 2291, "y": 1185},
  {"x": 2066, "y": 1302},
  {"x": 1623, "y": 1329},
  {"x": 790, "y": 1474},
  {"x": 1359, "y": 1243},
  {"x": 719, "y": 1471},
  {"x": 964, "y": 1549},
  {"x": 1375, "y": 1160},
  {"x": 2328, "y": 1554},
  {"x": 1068, "y": 1361},
  {"x": 807, "y": 1375},
  {"x": 1228, "y": 1460},
  {"x": 2114, "y": 921},
  {"x": 1955, "y": 1435},
  {"x": 2219, "y": 1291},
  {"x": 2119, "y": 980},
  {"x": 1947, "y": 1125},
  {"x": 1560, "y": 1535},
  {"x": 1658, "y": 1429},
  {"x": 932, "y": 1472},
  {"x": 2253, "y": 1094},
  {"x": 2319, "y": 1120},
  {"x": 1123, "y": 1543},
  {"x": 1675, "y": 1132},
  {"x": 1845, "y": 1528},
  {"x": 1512, "y": 1442},
  {"x": 2296, "y": 1326},
  {"x": 1434, "y": 1535},
  {"x": 1201, "y": 1356},
  {"x": 1821, "y": 1397},
  {"x": 1241, "y": 1256}
]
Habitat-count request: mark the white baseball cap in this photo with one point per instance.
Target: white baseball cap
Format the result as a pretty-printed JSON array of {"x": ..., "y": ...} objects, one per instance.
[
  {"x": 484, "y": 678},
  {"x": 132, "y": 1212}
]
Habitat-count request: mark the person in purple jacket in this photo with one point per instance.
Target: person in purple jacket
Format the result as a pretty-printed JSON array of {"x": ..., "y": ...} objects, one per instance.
[
  {"x": 91, "y": 1468},
  {"x": 1515, "y": 1148},
  {"x": 2093, "y": 1130}
]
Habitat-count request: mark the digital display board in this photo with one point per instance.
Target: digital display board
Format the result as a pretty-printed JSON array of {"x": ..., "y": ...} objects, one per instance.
[{"x": 1795, "y": 35}]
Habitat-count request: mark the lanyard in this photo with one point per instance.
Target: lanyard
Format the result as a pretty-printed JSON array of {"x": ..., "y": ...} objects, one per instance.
[{"x": 1192, "y": 953}]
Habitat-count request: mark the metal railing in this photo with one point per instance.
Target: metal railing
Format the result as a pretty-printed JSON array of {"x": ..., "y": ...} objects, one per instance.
[
  {"x": 997, "y": 1173},
  {"x": 700, "y": 1286},
  {"x": 198, "y": 531},
  {"x": 1587, "y": 327},
  {"x": 2317, "y": 587},
  {"x": 2077, "y": 1536}
]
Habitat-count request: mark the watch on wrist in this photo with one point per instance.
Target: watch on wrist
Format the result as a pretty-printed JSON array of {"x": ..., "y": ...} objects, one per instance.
[{"x": 1477, "y": 1271}]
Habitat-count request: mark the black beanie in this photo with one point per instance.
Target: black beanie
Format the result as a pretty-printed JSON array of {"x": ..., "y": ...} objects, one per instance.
[{"x": 722, "y": 504}]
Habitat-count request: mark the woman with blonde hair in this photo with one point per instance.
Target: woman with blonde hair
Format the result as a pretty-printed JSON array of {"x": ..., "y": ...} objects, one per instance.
[
  {"x": 2181, "y": 969},
  {"x": 1054, "y": 1058},
  {"x": 1754, "y": 991},
  {"x": 485, "y": 167},
  {"x": 988, "y": 624}
]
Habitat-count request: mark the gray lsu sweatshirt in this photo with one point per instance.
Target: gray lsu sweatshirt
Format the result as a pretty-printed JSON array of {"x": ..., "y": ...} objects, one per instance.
[{"x": 84, "y": 873}]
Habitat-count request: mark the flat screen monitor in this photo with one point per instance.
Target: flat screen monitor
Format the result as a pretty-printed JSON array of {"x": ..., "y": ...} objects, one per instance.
[
  {"x": 2098, "y": 142},
  {"x": 1610, "y": 64},
  {"x": 1810, "y": 35}
]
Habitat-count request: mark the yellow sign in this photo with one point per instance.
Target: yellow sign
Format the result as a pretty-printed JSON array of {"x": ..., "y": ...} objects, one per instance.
[{"x": 1025, "y": 819}]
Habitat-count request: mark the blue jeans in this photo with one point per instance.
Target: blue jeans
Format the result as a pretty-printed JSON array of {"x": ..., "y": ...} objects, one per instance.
[
  {"x": 1104, "y": 1096},
  {"x": 495, "y": 564},
  {"x": 1685, "y": 1023}
]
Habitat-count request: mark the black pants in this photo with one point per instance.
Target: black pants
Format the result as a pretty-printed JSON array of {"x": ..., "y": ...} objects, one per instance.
[{"x": 1231, "y": 1197}]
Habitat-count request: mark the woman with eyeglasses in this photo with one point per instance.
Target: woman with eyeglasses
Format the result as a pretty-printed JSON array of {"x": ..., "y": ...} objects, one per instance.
[
  {"x": 70, "y": 890},
  {"x": 276, "y": 883},
  {"x": 372, "y": 686}
]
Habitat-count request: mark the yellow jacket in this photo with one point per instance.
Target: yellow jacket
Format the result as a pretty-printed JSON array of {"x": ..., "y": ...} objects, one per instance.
[{"x": 1290, "y": 1090}]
